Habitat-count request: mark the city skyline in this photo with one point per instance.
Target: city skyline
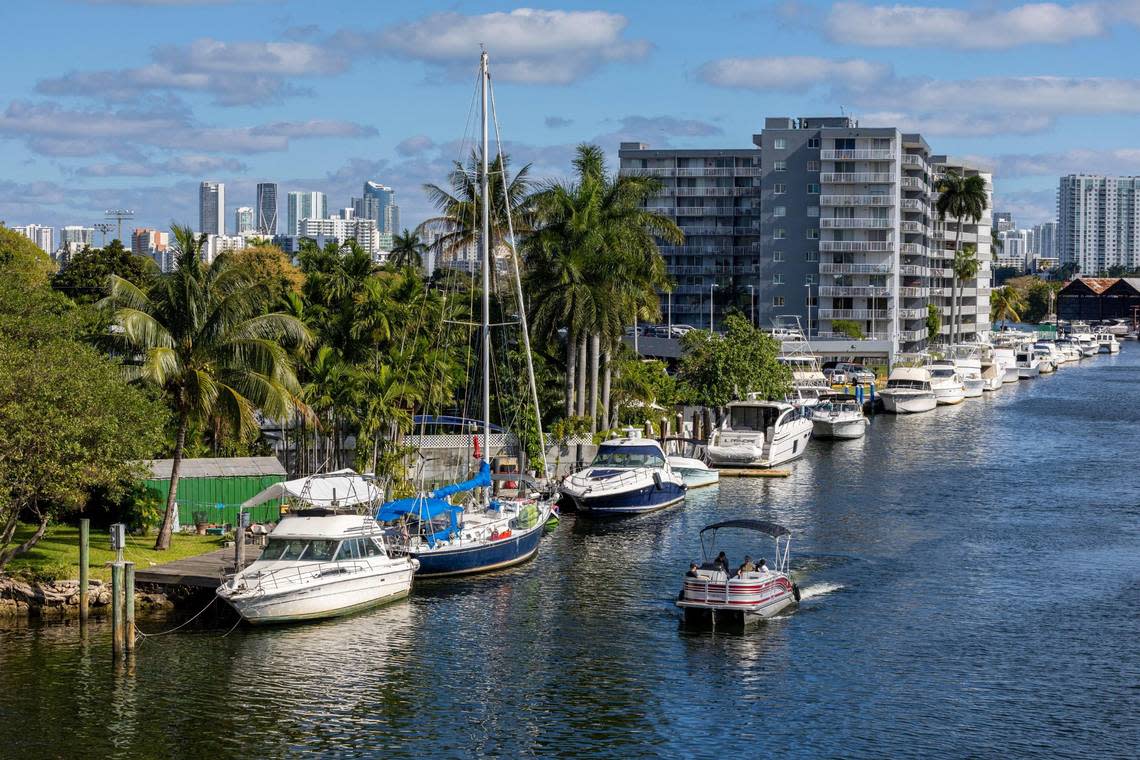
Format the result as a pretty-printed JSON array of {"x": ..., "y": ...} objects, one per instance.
[{"x": 240, "y": 96}]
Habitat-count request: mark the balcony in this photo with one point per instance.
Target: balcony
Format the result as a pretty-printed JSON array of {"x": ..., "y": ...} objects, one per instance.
[
  {"x": 913, "y": 204},
  {"x": 913, "y": 159},
  {"x": 713, "y": 192},
  {"x": 854, "y": 314},
  {"x": 856, "y": 155},
  {"x": 703, "y": 211},
  {"x": 828, "y": 268},
  {"x": 914, "y": 292},
  {"x": 913, "y": 183},
  {"x": 655, "y": 172},
  {"x": 705, "y": 171},
  {"x": 863, "y": 291},
  {"x": 856, "y": 200},
  {"x": 858, "y": 246},
  {"x": 689, "y": 231},
  {"x": 912, "y": 313},
  {"x": 909, "y": 336},
  {"x": 834, "y": 223},
  {"x": 856, "y": 177},
  {"x": 913, "y": 248},
  {"x": 909, "y": 270},
  {"x": 709, "y": 250},
  {"x": 917, "y": 228}
]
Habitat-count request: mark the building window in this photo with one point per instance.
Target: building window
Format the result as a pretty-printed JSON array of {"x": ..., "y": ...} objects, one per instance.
[
  {"x": 778, "y": 301},
  {"x": 813, "y": 143},
  {"x": 811, "y": 256},
  {"x": 780, "y": 211},
  {"x": 780, "y": 233},
  {"x": 813, "y": 188},
  {"x": 780, "y": 166},
  {"x": 779, "y": 188},
  {"x": 777, "y": 279},
  {"x": 780, "y": 144},
  {"x": 809, "y": 279},
  {"x": 813, "y": 212},
  {"x": 777, "y": 256},
  {"x": 812, "y": 233},
  {"x": 813, "y": 166}
]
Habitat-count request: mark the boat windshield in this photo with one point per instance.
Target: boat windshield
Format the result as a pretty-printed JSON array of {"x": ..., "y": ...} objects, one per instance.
[
  {"x": 758, "y": 418},
  {"x": 299, "y": 549},
  {"x": 912, "y": 385},
  {"x": 941, "y": 372},
  {"x": 628, "y": 456}
]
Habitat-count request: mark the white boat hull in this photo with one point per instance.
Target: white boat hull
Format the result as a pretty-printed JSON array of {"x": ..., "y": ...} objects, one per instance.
[
  {"x": 1025, "y": 373},
  {"x": 1011, "y": 375},
  {"x": 302, "y": 597},
  {"x": 845, "y": 429},
  {"x": 949, "y": 396},
  {"x": 973, "y": 387},
  {"x": 788, "y": 445},
  {"x": 694, "y": 472},
  {"x": 908, "y": 403},
  {"x": 1047, "y": 368},
  {"x": 1110, "y": 348},
  {"x": 751, "y": 599}
]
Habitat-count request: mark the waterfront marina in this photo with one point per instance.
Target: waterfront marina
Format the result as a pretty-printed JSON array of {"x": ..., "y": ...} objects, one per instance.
[{"x": 937, "y": 619}]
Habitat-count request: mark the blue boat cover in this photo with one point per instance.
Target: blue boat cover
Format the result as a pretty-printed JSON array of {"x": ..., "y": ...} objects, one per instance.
[
  {"x": 481, "y": 480},
  {"x": 423, "y": 507}
]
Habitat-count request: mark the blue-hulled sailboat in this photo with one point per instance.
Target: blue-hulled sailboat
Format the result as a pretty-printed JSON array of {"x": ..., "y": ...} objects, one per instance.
[{"x": 480, "y": 533}]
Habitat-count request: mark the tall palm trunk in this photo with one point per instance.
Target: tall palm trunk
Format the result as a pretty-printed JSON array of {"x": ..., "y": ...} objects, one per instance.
[
  {"x": 606, "y": 381},
  {"x": 954, "y": 284},
  {"x": 571, "y": 373},
  {"x": 163, "y": 541},
  {"x": 595, "y": 351},
  {"x": 582, "y": 377}
]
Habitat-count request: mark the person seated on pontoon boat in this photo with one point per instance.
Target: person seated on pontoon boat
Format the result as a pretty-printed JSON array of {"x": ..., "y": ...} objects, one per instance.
[
  {"x": 721, "y": 563},
  {"x": 762, "y": 566},
  {"x": 747, "y": 567},
  {"x": 693, "y": 566}
]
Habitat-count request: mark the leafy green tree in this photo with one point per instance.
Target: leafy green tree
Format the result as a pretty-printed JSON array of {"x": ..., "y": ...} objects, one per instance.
[
  {"x": 717, "y": 369},
  {"x": 1039, "y": 299},
  {"x": 408, "y": 250},
  {"x": 86, "y": 278},
  {"x": 1005, "y": 304},
  {"x": 847, "y": 327},
  {"x": 72, "y": 426},
  {"x": 203, "y": 337},
  {"x": 22, "y": 259},
  {"x": 265, "y": 263},
  {"x": 960, "y": 198},
  {"x": 965, "y": 266},
  {"x": 933, "y": 321}
]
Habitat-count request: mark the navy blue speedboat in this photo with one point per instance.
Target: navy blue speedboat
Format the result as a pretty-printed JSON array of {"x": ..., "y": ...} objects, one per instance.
[{"x": 628, "y": 476}]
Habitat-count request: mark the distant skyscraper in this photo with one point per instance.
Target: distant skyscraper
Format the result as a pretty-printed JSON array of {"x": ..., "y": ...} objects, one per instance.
[
  {"x": 267, "y": 208},
  {"x": 212, "y": 208},
  {"x": 304, "y": 205},
  {"x": 40, "y": 235},
  {"x": 153, "y": 244},
  {"x": 384, "y": 210},
  {"x": 1096, "y": 222},
  {"x": 243, "y": 220},
  {"x": 73, "y": 239},
  {"x": 1003, "y": 221}
]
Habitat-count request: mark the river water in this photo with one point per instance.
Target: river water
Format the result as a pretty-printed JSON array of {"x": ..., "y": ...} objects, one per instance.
[{"x": 972, "y": 588}]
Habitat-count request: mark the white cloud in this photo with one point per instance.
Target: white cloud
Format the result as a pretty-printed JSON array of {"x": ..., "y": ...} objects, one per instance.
[
  {"x": 791, "y": 73},
  {"x": 526, "y": 45},
  {"x": 669, "y": 125},
  {"x": 923, "y": 26},
  {"x": 956, "y": 122},
  {"x": 1077, "y": 160},
  {"x": 414, "y": 145},
  {"x": 194, "y": 165},
  {"x": 1028, "y": 95}
]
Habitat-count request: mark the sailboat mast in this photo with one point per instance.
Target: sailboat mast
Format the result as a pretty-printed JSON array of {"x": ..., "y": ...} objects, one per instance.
[{"x": 486, "y": 245}]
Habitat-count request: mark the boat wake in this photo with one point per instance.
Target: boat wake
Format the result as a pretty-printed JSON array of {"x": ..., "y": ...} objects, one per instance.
[{"x": 819, "y": 589}]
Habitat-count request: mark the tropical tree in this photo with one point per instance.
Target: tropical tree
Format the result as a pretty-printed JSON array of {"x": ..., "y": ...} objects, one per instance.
[
  {"x": 408, "y": 250},
  {"x": 203, "y": 336},
  {"x": 965, "y": 268},
  {"x": 716, "y": 369},
  {"x": 85, "y": 278},
  {"x": 960, "y": 198},
  {"x": 1006, "y": 303}
]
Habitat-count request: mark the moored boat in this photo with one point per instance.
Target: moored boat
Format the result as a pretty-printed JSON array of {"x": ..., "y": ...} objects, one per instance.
[
  {"x": 627, "y": 476},
  {"x": 839, "y": 415},
  {"x": 944, "y": 381},
  {"x": 758, "y": 433},
  {"x": 908, "y": 391},
  {"x": 693, "y": 471}
]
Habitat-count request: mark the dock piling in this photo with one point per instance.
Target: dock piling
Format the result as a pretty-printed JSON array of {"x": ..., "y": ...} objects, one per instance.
[
  {"x": 129, "y": 605},
  {"x": 117, "y": 609},
  {"x": 84, "y": 559}
]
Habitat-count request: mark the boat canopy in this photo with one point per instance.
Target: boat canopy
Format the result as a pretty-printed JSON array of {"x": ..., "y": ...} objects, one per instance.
[
  {"x": 482, "y": 479},
  {"x": 760, "y": 526},
  {"x": 343, "y": 488},
  {"x": 423, "y": 507}
]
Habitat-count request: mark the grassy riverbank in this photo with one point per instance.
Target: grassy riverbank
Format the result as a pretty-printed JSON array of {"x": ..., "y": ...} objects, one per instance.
[{"x": 56, "y": 556}]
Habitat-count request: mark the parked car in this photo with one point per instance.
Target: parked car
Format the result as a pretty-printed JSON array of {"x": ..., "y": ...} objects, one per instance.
[
  {"x": 835, "y": 376},
  {"x": 856, "y": 373},
  {"x": 679, "y": 330}
]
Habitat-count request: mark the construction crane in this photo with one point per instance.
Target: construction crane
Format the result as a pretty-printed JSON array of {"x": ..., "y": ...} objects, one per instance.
[{"x": 118, "y": 215}]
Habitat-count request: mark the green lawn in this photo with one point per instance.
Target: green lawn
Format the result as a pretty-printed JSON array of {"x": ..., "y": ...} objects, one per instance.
[{"x": 57, "y": 553}]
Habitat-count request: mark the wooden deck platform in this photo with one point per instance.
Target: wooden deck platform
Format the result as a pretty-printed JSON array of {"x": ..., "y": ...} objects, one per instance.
[
  {"x": 203, "y": 571},
  {"x": 746, "y": 472}
]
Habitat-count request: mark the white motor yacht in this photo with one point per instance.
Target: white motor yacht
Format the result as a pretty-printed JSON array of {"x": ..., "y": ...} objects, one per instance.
[
  {"x": 1107, "y": 342},
  {"x": 1047, "y": 355},
  {"x": 693, "y": 471},
  {"x": 968, "y": 365},
  {"x": 944, "y": 381},
  {"x": 1006, "y": 359},
  {"x": 839, "y": 415},
  {"x": 1087, "y": 344},
  {"x": 1028, "y": 365},
  {"x": 908, "y": 391},
  {"x": 808, "y": 381},
  {"x": 1069, "y": 351},
  {"x": 628, "y": 476},
  {"x": 320, "y": 561},
  {"x": 1118, "y": 328},
  {"x": 758, "y": 433}
]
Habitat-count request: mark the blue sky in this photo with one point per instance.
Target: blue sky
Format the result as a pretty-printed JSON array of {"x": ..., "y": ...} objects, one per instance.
[{"x": 131, "y": 103}]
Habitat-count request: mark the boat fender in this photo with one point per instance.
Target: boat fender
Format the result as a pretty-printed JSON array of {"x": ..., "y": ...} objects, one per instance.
[
  {"x": 657, "y": 480},
  {"x": 796, "y": 591}
]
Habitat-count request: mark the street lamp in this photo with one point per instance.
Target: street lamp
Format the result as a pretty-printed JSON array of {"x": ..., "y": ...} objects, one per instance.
[
  {"x": 752, "y": 301},
  {"x": 808, "y": 286},
  {"x": 712, "y": 323}
]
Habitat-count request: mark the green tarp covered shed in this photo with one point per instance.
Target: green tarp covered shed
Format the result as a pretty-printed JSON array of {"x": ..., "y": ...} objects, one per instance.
[{"x": 217, "y": 487}]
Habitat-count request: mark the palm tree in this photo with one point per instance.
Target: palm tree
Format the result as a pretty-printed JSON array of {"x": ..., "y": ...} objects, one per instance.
[
  {"x": 1006, "y": 303},
  {"x": 203, "y": 337},
  {"x": 408, "y": 250},
  {"x": 965, "y": 267},
  {"x": 961, "y": 198}
]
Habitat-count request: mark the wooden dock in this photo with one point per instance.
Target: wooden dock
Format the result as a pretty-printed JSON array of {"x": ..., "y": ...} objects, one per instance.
[
  {"x": 203, "y": 571},
  {"x": 751, "y": 472}
]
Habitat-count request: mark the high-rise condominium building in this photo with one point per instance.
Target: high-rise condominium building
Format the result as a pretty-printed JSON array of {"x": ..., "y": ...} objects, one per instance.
[
  {"x": 1098, "y": 222},
  {"x": 75, "y": 237},
  {"x": 1003, "y": 221},
  {"x": 153, "y": 244},
  {"x": 304, "y": 205},
  {"x": 379, "y": 203},
  {"x": 828, "y": 221},
  {"x": 43, "y": 237},
  {"x": 267, "y": 208},
  {"x": 362, "y": 230},
  {"x": 714, "y": 197},
  {"x": 244, "y": 221},
  {"x": 212, "y": 208}
]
